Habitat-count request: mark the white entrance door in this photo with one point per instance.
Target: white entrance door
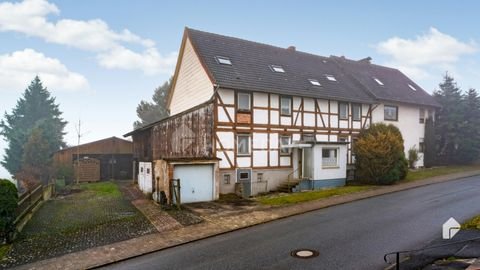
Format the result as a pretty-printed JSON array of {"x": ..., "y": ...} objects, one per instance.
[
  {"x": 145, "y": 177},
  {"x": 196, "y": 182}
]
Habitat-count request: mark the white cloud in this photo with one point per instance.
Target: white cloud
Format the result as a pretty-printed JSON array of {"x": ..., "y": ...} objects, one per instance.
[
  {"x": 433, "y": 49},
  {"x": 30, "y": 17},
  {"x": 20, "y": 67}
]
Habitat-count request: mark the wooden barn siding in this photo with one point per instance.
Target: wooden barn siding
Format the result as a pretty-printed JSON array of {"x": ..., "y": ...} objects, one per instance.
[
  {"x": 142, "y": 149},
  {"x": 187, "y": 136},
  {"x": 107, "y": 146}
]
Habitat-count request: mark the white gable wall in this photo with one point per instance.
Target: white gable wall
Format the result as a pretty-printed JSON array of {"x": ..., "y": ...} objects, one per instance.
[
  {"x": 193, "y": 85},
  {"x": 408, "y": 123}
]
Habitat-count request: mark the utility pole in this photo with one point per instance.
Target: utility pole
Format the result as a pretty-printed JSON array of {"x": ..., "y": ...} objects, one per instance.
[{"x": 79, "y": 135}]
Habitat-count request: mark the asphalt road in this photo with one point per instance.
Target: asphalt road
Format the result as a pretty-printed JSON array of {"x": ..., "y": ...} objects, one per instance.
[{"x": 350, "y": 236}]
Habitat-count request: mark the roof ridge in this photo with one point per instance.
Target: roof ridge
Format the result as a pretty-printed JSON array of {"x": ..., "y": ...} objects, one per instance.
[{"x": 259, "y": 43}]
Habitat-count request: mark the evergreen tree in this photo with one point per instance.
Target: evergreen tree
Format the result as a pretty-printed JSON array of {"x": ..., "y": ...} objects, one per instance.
[
  {"x": 449, "y": 120},
  {"x": 469, "y": 145},
  {"x": 150, "y": 112},
  {"x": 35, "y": 109},
  {"x": 36, "y": 160},
  {"x": 430, "y": 151}
]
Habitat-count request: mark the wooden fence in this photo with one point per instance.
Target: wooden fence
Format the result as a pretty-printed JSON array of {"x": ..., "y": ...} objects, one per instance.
[{"x": 28, "y": 201}]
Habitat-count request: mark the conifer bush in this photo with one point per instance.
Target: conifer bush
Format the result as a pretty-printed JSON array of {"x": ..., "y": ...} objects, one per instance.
[{"x": 379, "y": 155}]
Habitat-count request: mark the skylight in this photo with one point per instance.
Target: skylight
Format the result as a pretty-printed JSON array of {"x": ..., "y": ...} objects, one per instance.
[
  {"x": 331, "y": 78},
  {"x": 278, "y": 69},
  {"x": 411, "y": 87},
  {"x": 378, "y": 81},
  {"x": 223, "y": 60},
  {"x": 314, "y": 82}
]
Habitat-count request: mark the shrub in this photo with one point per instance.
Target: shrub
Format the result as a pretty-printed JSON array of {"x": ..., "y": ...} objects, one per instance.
[
  {"x": 379, "y": 155},
  {"x": 8, "y": 204},
  {"x": 412, "y": 157}
]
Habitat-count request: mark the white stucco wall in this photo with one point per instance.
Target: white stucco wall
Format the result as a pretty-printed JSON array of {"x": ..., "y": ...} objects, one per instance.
[
  {"x": 408, "y": 123},
  {"x": 325, "y": 173}
]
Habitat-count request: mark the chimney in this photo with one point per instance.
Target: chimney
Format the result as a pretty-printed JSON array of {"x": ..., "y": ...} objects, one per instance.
[
  {"x": 291, "y": 48},
  {"x": 366, "y": 60}
]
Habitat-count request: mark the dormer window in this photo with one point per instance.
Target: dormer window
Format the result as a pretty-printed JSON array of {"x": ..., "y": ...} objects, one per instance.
[
  {"x": 412, "y": 87},
  {"x": 330, "y": 78},
  {"x": 223, "y": 60},
  {"x": 276, "y": 68},
  {"x": 314, "y": 82},
  {"x": 378, "y": 81}
]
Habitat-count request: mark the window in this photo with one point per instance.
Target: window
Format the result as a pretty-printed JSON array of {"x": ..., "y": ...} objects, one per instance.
[
  {"x": 356, "y": 112},
  {"x": 223, "y": 60},
  {"x": 276, "y": 68},
  {"x": 226, "y": 179},
  {"x": 284, "y": 140},
  {"x": 285, "y": 106},
  {"x": 243, "y": 144},
  {"x": 342, "y": 139},
  {"x": 329, "y": 157},
  {"x": 390, "y": 113},
  {"x": 314, "y": 82},
  {"x": 244, "y": 176},
  {"x": 343, "y": 110},
  {"x": 378, "y": 81},
  {"x": 331, "y": 78},
  {"x": 243, "y": 103},
  {"x": 421, "y": 146},
  {"x": 422, "y": 116},
  {"x": 411, "y": 87},
  {"x": 259, "y": 177}
]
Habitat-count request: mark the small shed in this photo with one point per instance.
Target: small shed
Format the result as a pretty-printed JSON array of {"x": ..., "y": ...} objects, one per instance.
[{"x": 106, "y": 159}]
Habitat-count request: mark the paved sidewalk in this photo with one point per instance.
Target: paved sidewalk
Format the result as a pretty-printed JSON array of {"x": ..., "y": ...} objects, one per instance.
[{"x": 99, "y": 256}]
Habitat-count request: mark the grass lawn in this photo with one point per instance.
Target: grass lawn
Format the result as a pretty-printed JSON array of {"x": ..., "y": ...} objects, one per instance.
[
  {"x": 473, "y": 223},
  {"x": 420, "y": 174},
  {"x": 431, "y": 172},
  {"x": 105, "y": 189},
  {"x": 310, "y": 195}
]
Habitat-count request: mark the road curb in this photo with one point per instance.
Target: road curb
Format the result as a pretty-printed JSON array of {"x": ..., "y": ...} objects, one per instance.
[{"x": 289, "y": 211}]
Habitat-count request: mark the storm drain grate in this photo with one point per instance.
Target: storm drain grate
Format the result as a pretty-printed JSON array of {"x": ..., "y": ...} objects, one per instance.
[{"x": 304, "y": 253}]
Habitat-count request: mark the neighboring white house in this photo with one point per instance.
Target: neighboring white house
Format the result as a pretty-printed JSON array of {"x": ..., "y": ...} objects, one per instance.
[{"x": 279, "y": 115}]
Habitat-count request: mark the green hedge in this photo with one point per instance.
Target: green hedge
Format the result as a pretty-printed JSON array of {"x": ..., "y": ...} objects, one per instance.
[{"x": 8, "y": 204}]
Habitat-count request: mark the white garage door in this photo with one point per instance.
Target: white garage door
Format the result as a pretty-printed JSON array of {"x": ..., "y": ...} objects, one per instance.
[{"x": 196, "y": 182}]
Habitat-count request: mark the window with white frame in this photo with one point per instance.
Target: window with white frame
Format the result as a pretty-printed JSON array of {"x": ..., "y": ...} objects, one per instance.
[
  {"x": 356, "y": 112},
  {"x": 314, "y": 82},
  {"x": 284, "y": 141},
  {"x": 421, "y": 146},
  {"x": 243, "y": 144},
  {"x": 329, "y": 157},
  {"x": 422, "y": 116},
  {"x": 223, "y": 60},
  {"x": 331, "y": 78},
  {"x": 286, "y": 106},
  {"x": 226, "y": 179},
  {"x": 243, "y": 102},
  {"x": 343, "y": 110},
  {"x": 390, "y": 113},
  {"x": 276, "y": 68}
]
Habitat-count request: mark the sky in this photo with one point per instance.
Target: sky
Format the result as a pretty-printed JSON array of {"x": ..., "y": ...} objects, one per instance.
[{"x": 99, "y": 59}]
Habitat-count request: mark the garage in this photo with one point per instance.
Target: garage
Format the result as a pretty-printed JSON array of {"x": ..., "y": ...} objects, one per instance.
[{"x": 196, "y": 182}]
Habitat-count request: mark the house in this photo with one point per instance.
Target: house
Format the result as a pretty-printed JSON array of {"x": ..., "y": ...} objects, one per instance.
[
  {"x": 106, "y": 159},
  {"x": 250, "y": 117}
]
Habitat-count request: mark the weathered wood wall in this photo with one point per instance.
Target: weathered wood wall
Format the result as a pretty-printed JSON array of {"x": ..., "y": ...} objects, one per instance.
[
  {"x": 142, "y": 145},
  {"x": 186, "y": 136}
]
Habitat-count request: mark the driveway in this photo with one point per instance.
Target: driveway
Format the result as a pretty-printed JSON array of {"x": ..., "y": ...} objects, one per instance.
[
  {"x": 350, "y": 236},
  {"x": 85, "y": 216}
]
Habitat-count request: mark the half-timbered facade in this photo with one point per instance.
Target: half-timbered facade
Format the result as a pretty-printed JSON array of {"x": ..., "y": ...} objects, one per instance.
[{"x": 280, "y": 114}]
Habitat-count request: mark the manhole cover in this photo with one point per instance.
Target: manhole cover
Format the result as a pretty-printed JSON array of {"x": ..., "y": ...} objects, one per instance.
[{"x": 304, "y": 253}]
